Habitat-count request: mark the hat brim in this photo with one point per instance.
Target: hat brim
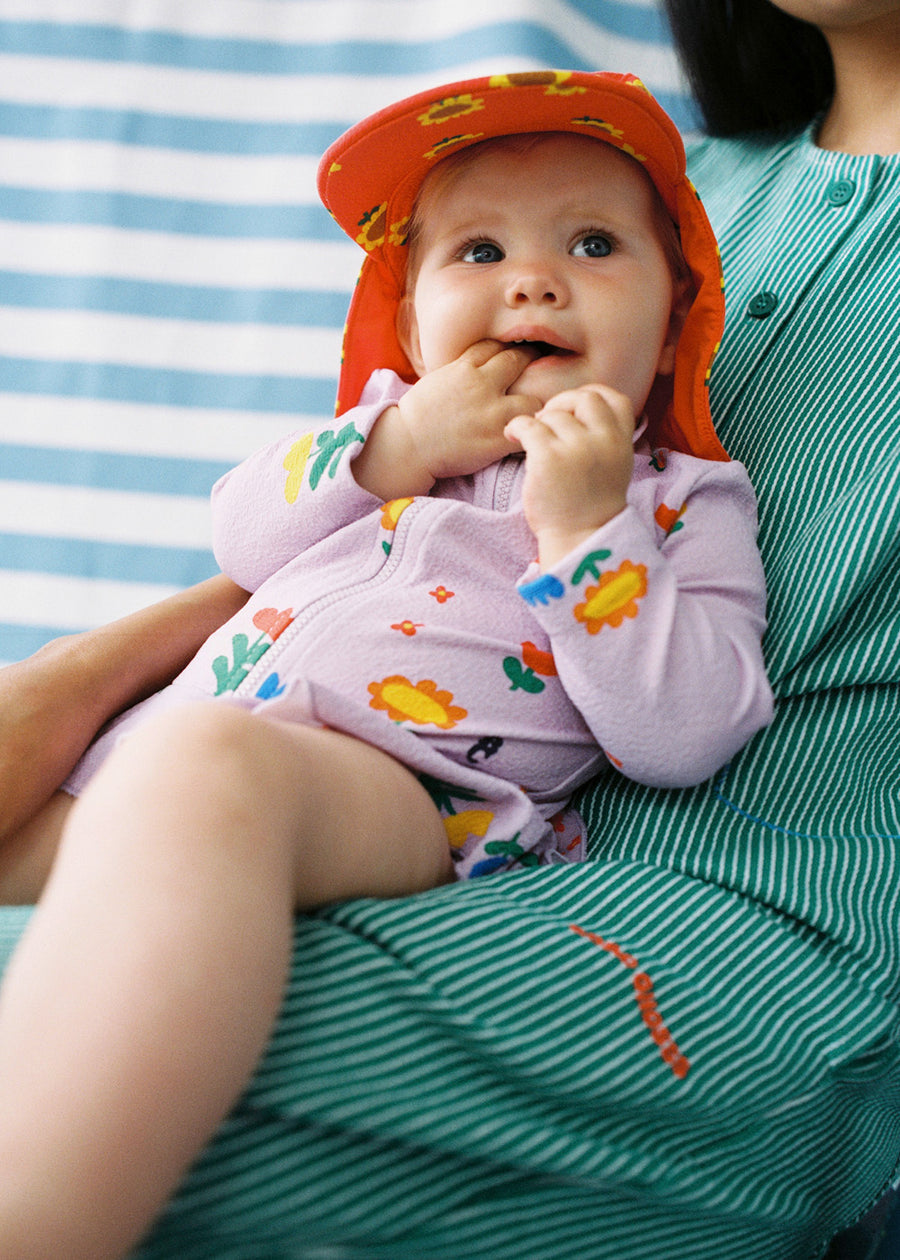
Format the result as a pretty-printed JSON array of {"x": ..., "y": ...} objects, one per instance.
[{"x": 370, "y": 177}]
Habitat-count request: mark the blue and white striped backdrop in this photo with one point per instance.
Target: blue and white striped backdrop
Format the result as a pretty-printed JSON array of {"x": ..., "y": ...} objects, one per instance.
[{"x": 171, "y": 292}]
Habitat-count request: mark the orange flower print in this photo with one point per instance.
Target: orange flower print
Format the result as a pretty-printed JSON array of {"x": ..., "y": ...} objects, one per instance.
[
  {"x": 273, "y": 621},
  {"x": 614, "y": 598},
  {"x": 538, "y": 660},
  {"x": 408, "y": 627},
  {"x": 441, "y": 594},
  {"x": 419, "y": 702},
  {"x": 451, "y": 107},
  {"x": 668, "y": 519}
]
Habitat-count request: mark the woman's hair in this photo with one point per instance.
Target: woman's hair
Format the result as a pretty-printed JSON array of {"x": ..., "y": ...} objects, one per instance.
[{"x": 751, "y": 66}]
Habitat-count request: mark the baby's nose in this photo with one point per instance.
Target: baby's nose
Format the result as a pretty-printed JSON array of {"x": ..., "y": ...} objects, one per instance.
[{"x": 536, "y": 286}]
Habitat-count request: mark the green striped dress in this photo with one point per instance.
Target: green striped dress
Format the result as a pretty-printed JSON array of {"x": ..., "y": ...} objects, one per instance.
[{"x": 687, "y": 1047}]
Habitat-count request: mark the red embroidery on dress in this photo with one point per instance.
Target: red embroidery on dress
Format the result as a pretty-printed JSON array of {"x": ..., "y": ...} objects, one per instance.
[{"x": 646, "y": 1000}]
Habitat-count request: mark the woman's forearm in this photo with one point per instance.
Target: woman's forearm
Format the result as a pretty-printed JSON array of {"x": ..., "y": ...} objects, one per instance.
[{"x": 53, "y": 703}]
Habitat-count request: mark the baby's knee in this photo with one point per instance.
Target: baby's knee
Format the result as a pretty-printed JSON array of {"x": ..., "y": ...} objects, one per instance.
[{"x": 202, "y": 742}]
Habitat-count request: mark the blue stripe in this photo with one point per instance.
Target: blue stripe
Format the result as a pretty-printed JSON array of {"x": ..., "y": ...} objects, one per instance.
[
  {"x": 166, "y": 131},
  {"x": 306, "y": 308},
  {"x": 148, "y": 474},
  {"x": 17, "y": 642},
  {"x": 645, "y": 23},
  {"x": 168, "y": 387},
  {"x": 165, "y": 214},
  {"x": 118, "y": 562},
  {"x": 160, "y": 48}
]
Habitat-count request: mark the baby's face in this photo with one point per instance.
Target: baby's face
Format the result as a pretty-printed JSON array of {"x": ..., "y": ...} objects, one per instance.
[{"x": 558, "y": 245}]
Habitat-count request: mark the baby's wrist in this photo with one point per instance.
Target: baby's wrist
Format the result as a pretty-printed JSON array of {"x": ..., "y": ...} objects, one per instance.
[
  {"x": 388, "y": 464},
  {"x": 555, "y": 542}
]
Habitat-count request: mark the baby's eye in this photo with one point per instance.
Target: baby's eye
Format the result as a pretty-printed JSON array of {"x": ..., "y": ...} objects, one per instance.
[
  {"x": 592, "y": 245},
  {"x": 482, "y": 252}
]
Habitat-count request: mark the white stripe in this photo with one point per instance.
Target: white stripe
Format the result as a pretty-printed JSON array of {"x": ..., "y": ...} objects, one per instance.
[
  {"x": 91, "y": 424},
  {"x": 54, "y": 249},
  {"x": 72, "y": 603},
  {"x": 158, "y": 520},
  {"x": 64, "y": 165},
  {"x": 193, "y": 346},
  {"x": 310, "y": 21}
]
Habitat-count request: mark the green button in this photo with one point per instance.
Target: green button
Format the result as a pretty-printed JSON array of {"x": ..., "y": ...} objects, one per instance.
[
  {"x": 840, "y": 192},
  {"x": 762, "y": 305}
]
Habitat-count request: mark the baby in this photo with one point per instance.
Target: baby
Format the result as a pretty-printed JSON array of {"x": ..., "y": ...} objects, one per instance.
[{"x": 519, "y": 554}]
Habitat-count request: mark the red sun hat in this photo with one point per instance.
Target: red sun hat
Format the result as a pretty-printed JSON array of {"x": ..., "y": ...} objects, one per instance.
[{"x": 370, "y": 177}]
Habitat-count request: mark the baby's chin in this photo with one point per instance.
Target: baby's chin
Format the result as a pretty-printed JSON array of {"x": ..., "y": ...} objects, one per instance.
[{"x": 546, "y": 377}]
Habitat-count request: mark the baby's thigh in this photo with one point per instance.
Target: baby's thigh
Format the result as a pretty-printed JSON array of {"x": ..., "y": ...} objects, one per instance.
[
  {"x": 362, "y": 823},
  {"x": 351, "y": 819}
]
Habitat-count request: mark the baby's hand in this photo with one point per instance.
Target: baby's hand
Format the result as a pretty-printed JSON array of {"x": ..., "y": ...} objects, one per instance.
[
  {"x": 450, "y": 423},
  {"x": 456, "y": 414},
  {"x": 579, "y": 460}
]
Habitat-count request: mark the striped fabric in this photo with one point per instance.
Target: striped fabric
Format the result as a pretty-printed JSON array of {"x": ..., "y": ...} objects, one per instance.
[
  {"x": 171, "y": 291},
  {"x": 687, "y": 1046}
]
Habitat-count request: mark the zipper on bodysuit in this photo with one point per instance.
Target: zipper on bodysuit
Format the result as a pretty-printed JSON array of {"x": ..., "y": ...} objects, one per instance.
[
  {"x": 264, "y": 666},
  {"x": 506, "y": 480}
]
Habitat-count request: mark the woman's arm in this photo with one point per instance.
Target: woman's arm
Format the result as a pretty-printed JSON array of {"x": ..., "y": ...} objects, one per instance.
[{"x": 53, "y": 703}]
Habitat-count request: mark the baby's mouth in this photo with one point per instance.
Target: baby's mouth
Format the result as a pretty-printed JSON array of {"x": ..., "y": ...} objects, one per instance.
[{"x": 544, "y": 348}]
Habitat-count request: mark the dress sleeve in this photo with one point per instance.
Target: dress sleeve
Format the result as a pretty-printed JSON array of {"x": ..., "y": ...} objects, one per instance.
[
  {"x": 656, "y": 623},
  {"x": 296, "y": 491}
]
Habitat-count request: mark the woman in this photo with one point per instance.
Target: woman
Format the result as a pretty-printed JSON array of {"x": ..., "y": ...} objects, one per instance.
[{"x": 486, "y": 1072}]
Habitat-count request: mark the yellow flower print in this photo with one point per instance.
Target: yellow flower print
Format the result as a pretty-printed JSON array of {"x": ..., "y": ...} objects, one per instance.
[
  {"x": 374, "y": 226},
  {"x": 451, "y": 107},
  {"x": 399, "y": 234},
  {"x": 616, "y": 132},
  {"x": 601, "y": 125},
  {"x": 442, "y": 145},
  {"x": 419, "y": 702},
  {"x": 614, "y": 598},
  {"x": 555, "y": 81},
  {"x": 471, "y": 822},
  {"x": 295, "y": 465},
  {"x": 392, "y": 511}
]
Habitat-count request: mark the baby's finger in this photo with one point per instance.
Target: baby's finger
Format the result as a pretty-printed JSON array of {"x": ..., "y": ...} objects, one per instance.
[
  {"x": 525, "y": 430},
  {"x": 505, "y": 363},
  {"x": 593, "y": 405}
]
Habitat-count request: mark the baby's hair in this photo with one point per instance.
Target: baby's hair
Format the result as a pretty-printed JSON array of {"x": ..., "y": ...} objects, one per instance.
[{"x": 450, "y": 166}]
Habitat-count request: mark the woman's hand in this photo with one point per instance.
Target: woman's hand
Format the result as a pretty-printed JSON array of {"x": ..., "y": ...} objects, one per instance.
[
  {"x": 579, "y": 460},
  {"x": 53, "y": 703}
]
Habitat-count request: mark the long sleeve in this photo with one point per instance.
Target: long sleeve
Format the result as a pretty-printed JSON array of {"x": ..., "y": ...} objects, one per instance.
[
  {"x": 655, "y": 624},
  {"x": 294, "y": 492}
]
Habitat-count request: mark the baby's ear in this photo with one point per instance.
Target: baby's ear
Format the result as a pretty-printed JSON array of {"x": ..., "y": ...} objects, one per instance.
[
  {"x": 681, "y": 304},
  {"x": 408, "y": 333}
]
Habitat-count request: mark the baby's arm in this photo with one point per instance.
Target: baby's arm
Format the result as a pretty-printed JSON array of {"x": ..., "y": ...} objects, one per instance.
[
  {"x": 656, "y": 617},
  {"x": 449, "y": 424}
]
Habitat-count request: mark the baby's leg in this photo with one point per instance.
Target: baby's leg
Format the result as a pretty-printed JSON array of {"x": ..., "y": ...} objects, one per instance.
[{"x": 145, "y": 988}]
